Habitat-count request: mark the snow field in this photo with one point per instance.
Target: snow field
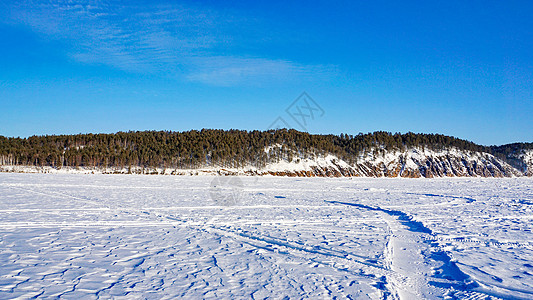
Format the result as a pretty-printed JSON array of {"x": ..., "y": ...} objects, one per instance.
[{"x": 140, "y": 236}]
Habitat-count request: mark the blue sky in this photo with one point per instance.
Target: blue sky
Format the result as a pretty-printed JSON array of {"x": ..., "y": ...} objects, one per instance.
[{"x": 456, "y": 68}]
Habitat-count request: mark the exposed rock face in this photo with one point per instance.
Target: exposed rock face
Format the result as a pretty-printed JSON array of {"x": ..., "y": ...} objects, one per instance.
[
  {"x": 518, "y": 155},
  {"x": 526, "y": 157},
  {"x": 414, "y": 163}
]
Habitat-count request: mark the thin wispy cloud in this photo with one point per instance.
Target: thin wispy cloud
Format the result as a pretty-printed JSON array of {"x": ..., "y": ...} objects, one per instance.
[
  {"x": 173, "y": 39},
  {"x": 227, "y": 71}
]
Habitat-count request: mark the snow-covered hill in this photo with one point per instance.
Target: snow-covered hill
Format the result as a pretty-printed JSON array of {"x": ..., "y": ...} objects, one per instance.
[
  {"x": 520, "y": 156},
  {"x": 526, "y": 159},
  {"x": 411, "y": 163}
]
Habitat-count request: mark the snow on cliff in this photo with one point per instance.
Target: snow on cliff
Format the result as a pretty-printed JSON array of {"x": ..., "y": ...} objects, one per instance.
[
  {"x": 527, "y": 158},
  {"x": 412, "y": 163},
  {"x": 415, "y": 162}
]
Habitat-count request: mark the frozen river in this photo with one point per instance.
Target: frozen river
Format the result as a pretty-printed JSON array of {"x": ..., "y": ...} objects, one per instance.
[{"x": 130, "y": 236}]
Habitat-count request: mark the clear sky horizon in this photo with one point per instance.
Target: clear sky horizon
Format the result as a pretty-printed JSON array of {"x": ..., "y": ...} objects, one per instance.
[{"x": 461, "y": 68}]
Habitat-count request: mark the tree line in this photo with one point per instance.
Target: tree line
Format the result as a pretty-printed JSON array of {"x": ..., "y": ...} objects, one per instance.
[{"x": 207, "y": 148}]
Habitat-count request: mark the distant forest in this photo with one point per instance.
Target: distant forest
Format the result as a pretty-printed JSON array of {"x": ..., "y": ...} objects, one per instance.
[{"x": 217, "y": 148}]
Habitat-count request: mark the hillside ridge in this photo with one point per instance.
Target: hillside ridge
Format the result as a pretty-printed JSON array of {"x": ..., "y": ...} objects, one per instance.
[{"x": 275, "y": 152}]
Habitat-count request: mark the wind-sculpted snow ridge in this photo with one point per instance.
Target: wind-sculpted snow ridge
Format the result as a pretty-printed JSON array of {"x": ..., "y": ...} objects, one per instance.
[
  {"x": 413, "y": 163},
  {"x": 112, "y": 236}
]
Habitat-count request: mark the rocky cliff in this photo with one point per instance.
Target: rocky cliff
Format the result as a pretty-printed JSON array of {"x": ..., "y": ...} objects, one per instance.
[
  {"x": 522, "y": 160},
  {"x": 518, "y": 155},
  {"x": 412, "y": 163}
]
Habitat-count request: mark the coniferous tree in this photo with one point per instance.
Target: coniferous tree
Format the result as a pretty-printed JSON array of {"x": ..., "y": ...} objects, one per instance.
[{"x": 231, "y": 148}]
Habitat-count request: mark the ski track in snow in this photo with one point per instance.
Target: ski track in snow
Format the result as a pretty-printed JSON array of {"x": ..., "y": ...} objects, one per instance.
[{"x": 112, "y": 236}]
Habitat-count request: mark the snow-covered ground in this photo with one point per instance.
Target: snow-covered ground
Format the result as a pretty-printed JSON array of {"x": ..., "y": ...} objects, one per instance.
[{"x": 141, "y": 236}]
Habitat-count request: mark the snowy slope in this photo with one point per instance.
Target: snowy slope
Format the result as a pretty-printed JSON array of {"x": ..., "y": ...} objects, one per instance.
[
  {"x": 444, "y": 163},
  {"x": 527, "y": 158},
  {"x": 520, "y": 156},
  {"x": 413, "y": 163},
  {"x": 109, "y": 236},
  {"x": 410, "y": 163}
]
